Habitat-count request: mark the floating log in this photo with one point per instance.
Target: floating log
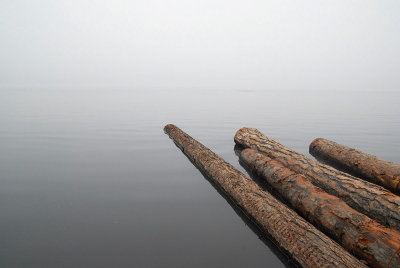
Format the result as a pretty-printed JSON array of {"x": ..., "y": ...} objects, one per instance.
[
  {"x": 364, "y": 237},
  {"x": 357, "y": 163},
  {"x": 368, "y": 198},
  {"x": 308, "y": 246}
]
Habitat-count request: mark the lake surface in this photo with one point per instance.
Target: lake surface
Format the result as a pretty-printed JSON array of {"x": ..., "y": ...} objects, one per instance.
[{"x": 89, "y": 179}]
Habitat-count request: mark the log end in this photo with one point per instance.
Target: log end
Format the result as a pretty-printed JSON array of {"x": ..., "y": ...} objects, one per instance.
[
  {"x": 169, "y": 127},
  {"x": 314, "y": 144},
  {"x": 243, "y": 133}
]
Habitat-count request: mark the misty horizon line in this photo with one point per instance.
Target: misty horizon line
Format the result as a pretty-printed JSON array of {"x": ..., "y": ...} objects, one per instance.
[{"x": 188, "y": 88}]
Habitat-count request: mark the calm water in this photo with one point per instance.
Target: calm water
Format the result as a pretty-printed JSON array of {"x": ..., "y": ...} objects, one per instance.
[{"x": 88, "y": 178}]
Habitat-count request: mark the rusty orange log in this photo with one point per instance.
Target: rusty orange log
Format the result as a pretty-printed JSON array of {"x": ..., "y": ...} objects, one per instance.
[
  {"x": 308, "y": 246},
  {"x": 357, "y": 163},
  {"x": 364, "y": 237},
  {"x": 368, "y": 198}
]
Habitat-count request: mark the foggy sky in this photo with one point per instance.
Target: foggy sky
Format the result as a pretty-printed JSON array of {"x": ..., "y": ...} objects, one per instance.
[{"x": 201, "y": 44}]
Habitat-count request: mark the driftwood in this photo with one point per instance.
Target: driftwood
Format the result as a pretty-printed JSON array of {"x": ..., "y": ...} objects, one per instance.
[
  {"x": 357, "y": 163},
  {"x": 364, "y": 237},
  {"x": 368, "y": 198},
  {"x": 307, "y": 245}
]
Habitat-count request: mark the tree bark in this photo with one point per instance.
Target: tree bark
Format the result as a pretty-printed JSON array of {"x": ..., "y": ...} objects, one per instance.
[
  {"x": 357, "y": 163},
  {"x": 368, "y": 198},
  {"x": 306, "y": 245},
  {"x": 366, "y": 238}
]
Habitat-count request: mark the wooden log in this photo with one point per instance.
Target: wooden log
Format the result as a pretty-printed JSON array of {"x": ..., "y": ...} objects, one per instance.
[
  {"x": 368, "y": 198},
  {"x": 308, "y": 246},
  {"x": 364, "y": 237},
  {"x": 357, "y": 163}
]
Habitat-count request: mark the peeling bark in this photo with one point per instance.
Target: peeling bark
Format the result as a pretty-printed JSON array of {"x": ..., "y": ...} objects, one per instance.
[
  {"x": 306, "y": 244},
  {"x": 368, "y": 198},
  {"x": 357, "y": 233},
  {"x": 357, "y": 163}
]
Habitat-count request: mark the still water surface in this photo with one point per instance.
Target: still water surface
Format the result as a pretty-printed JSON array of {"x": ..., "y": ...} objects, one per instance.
[{"x": 89, "y": 179}]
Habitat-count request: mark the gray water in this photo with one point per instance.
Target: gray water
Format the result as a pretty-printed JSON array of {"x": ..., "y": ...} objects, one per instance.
[{"x": 89, "y": 179}]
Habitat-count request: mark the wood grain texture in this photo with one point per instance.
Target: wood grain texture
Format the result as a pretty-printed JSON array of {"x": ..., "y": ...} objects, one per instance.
[
  {"x": 306, "y": 244},
  {"x": 356, "y": 232},
  {"x": 357, "y": 163},
  {"x": 370, "y": 199}
]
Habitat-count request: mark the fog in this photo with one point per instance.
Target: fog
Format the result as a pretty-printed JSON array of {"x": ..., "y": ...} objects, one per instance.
[{"x": 186, "y": 44}]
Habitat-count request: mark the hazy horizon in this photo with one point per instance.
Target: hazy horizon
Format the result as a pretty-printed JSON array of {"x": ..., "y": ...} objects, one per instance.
[{"x": 252, "y": 45}]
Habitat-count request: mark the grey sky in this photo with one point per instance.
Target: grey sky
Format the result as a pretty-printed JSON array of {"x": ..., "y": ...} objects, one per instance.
[{"x": 201, "y": 44}]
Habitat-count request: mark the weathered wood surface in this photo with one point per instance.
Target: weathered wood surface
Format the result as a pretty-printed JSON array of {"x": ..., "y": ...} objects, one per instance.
[
  {"x": 362, "y": 236},
  {"x": 368, "y": 198},
  {"x": 357, "y": 163},
  {"x": 307, "y": 245}
]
